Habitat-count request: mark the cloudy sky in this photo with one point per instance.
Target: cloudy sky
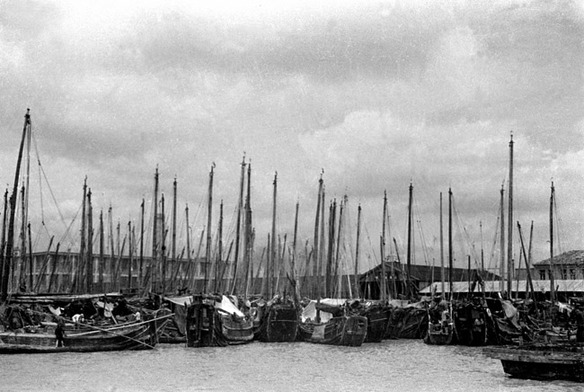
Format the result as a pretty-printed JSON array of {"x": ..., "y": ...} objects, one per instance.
[{"x": 377, "y": 94}]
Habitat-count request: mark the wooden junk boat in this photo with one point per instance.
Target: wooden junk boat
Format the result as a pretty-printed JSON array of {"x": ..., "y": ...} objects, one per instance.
[
  {"x": 441, "y": 326},
  {"x": 541, "y": 361},
  {"x": 85, "y": 338},
  {"x": 214, "y": 320},
  {"x": 378, "y": 314},
  {"x": 278, "y": 320},
  {"x": 328, "y": 321}
]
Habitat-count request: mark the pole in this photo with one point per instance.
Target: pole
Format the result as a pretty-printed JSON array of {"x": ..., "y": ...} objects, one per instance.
[
  {"x": 510, "y": 222},
  {"x": 238, "y": 224},
  {"x": 409, "y": 250},
  {"x": 551, "y": 264},
  {"x": 450, "y": 250},
  {"x": 10, "y": 242},
  {"x": 502, "y": 243},
  {"x": 273, "y": 249},
  {"x": 89, "y": 272},
  {"x": 356, "y": 276},
  {"x": 154, "y": 258},
  {"x": 441, "y": 251},
  {"x": 209, "y": 220}
]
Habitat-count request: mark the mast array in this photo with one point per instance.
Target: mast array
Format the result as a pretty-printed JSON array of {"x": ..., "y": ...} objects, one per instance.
[{"x": 322, "y": 262}]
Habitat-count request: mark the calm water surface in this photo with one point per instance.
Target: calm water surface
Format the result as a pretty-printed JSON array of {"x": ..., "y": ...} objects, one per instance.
[{"x": 396, "y": 365}]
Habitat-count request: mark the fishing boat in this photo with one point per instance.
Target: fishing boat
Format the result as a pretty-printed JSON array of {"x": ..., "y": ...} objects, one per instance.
[
  {"x": 378, "y": 315},
  {"x": 174, "y": 330},
  {"x": 407, "y": 320},
  {"x": 214, "y": 320},
  {"x": 88, "y": 338},
  {"x": 328, "y": 322},
  {"x": 541, "y": 361},
  {"x": 471, "y": 319},
  {"x": 279, "y": 321},
  {"x": 441, "y": 326}
]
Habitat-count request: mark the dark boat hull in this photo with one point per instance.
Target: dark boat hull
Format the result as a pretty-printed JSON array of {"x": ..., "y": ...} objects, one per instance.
[
  {"x": 377, "y": 322},
  {"x": 207, "y": 326},
  {"x": 126, "y": 337},
  {"x": 279, "y": 323},
  {"x": 339, "y": 331},
  {"x": 438, "y": 335},
  {"x": 407, "y": 323},
  {"x": 541, "y": 363}
]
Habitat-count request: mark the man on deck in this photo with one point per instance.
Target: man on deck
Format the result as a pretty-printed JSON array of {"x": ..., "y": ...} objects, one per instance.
[{"x": 59, "y": 334}]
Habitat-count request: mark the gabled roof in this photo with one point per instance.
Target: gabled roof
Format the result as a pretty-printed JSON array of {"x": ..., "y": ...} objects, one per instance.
[
  {"x": 424, "y": 273},
  {"x": 572, "y": 257},
  {"x": 540, "y": 286}
]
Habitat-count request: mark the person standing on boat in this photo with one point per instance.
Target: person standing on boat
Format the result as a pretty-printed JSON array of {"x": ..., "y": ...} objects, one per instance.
[{"x": 59, "y": 334}]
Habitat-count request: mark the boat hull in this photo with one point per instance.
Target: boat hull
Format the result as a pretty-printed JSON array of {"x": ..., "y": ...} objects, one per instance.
[
  {"x": 208, "y": 326},
  {"x": 134, "y": 336},
  {"x": 279, "y": 323},
  {"x": 377, "y": 322},
  {"x": 339, "y": 331},
  {"x": 439, "y": 335},
  {"x": 541, "y": 363}
]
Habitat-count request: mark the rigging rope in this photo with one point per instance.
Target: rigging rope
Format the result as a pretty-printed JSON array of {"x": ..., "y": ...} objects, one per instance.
[{"x": 41, "y": 169}]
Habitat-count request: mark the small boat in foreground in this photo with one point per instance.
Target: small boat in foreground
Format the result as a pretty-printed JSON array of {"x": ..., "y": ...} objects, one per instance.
[
  {"x": 541, "y": 361},
  {"x": 88, "y": 338}
]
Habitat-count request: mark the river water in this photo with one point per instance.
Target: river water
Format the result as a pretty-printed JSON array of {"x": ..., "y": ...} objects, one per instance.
[{"x": 393, "y": 365}]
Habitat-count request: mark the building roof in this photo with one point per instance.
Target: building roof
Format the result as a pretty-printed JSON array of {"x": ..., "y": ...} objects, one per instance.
[
  {"x": 541, "y": 286},
  {"x": 571, "y": 257},
  {"x": 425, "y": 273}
]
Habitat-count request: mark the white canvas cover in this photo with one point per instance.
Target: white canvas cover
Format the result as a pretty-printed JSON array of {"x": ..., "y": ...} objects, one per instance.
[
  {"x": 180, "y": 300},
  {"x": 309, "y": 312},
  {"x": 227, "y": 306}
]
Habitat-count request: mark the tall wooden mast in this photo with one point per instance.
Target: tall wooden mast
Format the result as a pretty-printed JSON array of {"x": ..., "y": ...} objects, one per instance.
[
  {"x": 3, "y": 245},
  {"x": 101, "y": 253},
  {"x": 209, "y": 233},
  {"x": 441, "y": 252},
  {"x": 163, "y": 232},
  {"x": 141, "y": 266},
  {"x": 154, "y": 259},
  {"x": 238, "y": 224},
  {"x": 356, "y": 275},
  {"x": 131, "y": 244},
  {"x": 273, "y": 249},
  {"x": 551, "y": 264},
  {"x": 331, "y": 247},
  {"x": 293, "y": 261},
  {"x": 89, "y": 262},
  {"x": 321, "y": 247},
  {"x": 248, "y": 241},
  {"x": 383, "y": 287},
  {"x": 173, "y": 249},
  {"x": 510, "y": 223},
  {"x": 450, "y": 250},
  {"x": 185, "y": 275},
  {"x": 6, "y": 268},
  {"x": 502, "y": 241},
  {"x": 410, "y": 237},
  {"x": 337, "y": 275},
  {"x": 78, "y": 280},
  {"x": 219, "y": 259},
  {"x": 315, "y": 248}
]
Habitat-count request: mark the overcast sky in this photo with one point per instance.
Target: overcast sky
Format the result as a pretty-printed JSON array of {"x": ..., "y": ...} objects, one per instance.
[{"x": 377, "y": 94}]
